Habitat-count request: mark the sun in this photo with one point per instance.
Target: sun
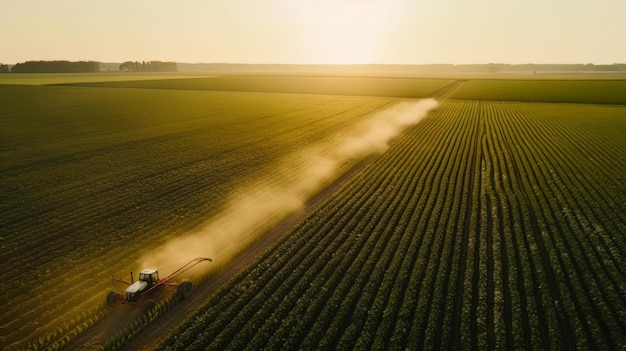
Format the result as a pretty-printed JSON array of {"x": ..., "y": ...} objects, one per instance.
[{"x": 342, "y": 31}]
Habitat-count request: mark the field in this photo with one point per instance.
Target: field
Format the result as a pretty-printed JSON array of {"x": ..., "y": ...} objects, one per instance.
[
  {"x": 490, "y": 225},
  {"x": 73, "y": 78},
  {"x": 396, "y": 87},
  {"x": 94, "y": 178},
  {"x": 562, "y": 91},
  {"x": 487, "y": 225}
]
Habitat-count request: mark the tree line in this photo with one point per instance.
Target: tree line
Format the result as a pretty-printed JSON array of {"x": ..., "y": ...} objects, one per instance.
[
  {"x": 150, "y": 66},
  {"x": 54, "y": 67},
  {"x": 86, "y": 66}
]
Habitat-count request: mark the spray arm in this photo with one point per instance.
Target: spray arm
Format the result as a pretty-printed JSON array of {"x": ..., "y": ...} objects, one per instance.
[{"x": 180, "y": 270}]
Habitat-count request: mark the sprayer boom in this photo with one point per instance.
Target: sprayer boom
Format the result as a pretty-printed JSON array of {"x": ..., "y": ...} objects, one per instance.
[
  {"x": 148, "y": 280},
  {"x": 180, "y": 270}
]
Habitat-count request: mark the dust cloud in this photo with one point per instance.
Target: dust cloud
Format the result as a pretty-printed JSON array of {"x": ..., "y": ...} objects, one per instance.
[{"x": 258, "y": 208}]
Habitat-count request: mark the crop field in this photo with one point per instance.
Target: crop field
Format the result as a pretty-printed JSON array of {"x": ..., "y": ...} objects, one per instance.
[
  {"x": 488, "y": 225},
  {"x": 94, "y": 178},
  {"x": 73, "y": 78},
  {"x": 609, "y": 91},
  {"x": 397, "y": 87}
]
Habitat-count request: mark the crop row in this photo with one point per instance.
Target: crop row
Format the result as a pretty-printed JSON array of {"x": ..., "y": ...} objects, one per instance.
[
  {"x": 489, "y": 225},
  {"x": 369, "y": 225},
  {"x": 582, "y": 281},
  {"x": 86, "y": 198}
]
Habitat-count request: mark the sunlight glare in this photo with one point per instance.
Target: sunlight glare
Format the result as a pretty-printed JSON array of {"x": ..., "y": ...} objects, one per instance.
[{"x": 343, "y": 31}]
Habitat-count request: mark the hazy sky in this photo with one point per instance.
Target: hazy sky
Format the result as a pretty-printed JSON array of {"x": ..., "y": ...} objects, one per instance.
[{"x": 315, "y": 31}]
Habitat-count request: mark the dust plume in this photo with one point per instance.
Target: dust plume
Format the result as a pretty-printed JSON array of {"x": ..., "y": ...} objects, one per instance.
[{"x": 254, "y": 210}]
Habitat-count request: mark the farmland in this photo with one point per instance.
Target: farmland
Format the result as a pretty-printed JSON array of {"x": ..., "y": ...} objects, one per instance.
[
  {"x": 488, "y": 225},
  {"x": 362, "y": 86},
  {"x": 73, "y": 78},
  {"x": 561, "y": 91},
  {"x": 94, "y": 178}
]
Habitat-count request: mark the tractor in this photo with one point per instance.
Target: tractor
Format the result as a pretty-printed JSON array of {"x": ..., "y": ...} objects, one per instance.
[{"x": 148, "y": 281}]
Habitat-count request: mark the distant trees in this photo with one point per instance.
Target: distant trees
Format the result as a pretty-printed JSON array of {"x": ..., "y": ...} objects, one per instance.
[
  {"x": 503, "y": 67},
  {"x": 4, "y": 68},
  {"x": 56, "y": 67},
  {"x": 150, "y": 66}
]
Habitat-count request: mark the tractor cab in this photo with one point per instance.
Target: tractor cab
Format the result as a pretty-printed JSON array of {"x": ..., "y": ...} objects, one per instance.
[
  {"x": 147, "y": 278},
  {"x": 149, "y": 275}
]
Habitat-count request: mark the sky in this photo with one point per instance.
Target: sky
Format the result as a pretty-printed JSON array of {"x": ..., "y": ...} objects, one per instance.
[{"x": 315, "y": 31}]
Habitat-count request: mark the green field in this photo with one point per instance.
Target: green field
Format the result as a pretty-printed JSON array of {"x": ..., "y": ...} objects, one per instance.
[
  {"x": 397, "y": 87},
  {"x": 72, "y": 78},
  {"x": 561, "y": 91},
  {"x": 92, "y": 178},
  {"x": 491, "y": 224}
]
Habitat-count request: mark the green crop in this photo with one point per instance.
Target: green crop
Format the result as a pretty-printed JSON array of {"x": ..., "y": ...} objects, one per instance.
[
  {"x": 398, "y": 87},
  {"x": 68, "y": 78},
  {"x": 93, "y": 178},
  {"x": 489, "y": 225},
  {"x": 565, "y": 91}
]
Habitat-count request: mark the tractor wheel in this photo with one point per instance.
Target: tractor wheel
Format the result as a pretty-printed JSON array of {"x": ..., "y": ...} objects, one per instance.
[
  {"x": 111, "y": 297},
  {"x": 148, "y": 306},
  {"x": 184, "y": 289}
]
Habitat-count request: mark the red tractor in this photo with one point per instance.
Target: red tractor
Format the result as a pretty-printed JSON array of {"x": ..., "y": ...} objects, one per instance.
[{"x": 149, "y": 281}]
